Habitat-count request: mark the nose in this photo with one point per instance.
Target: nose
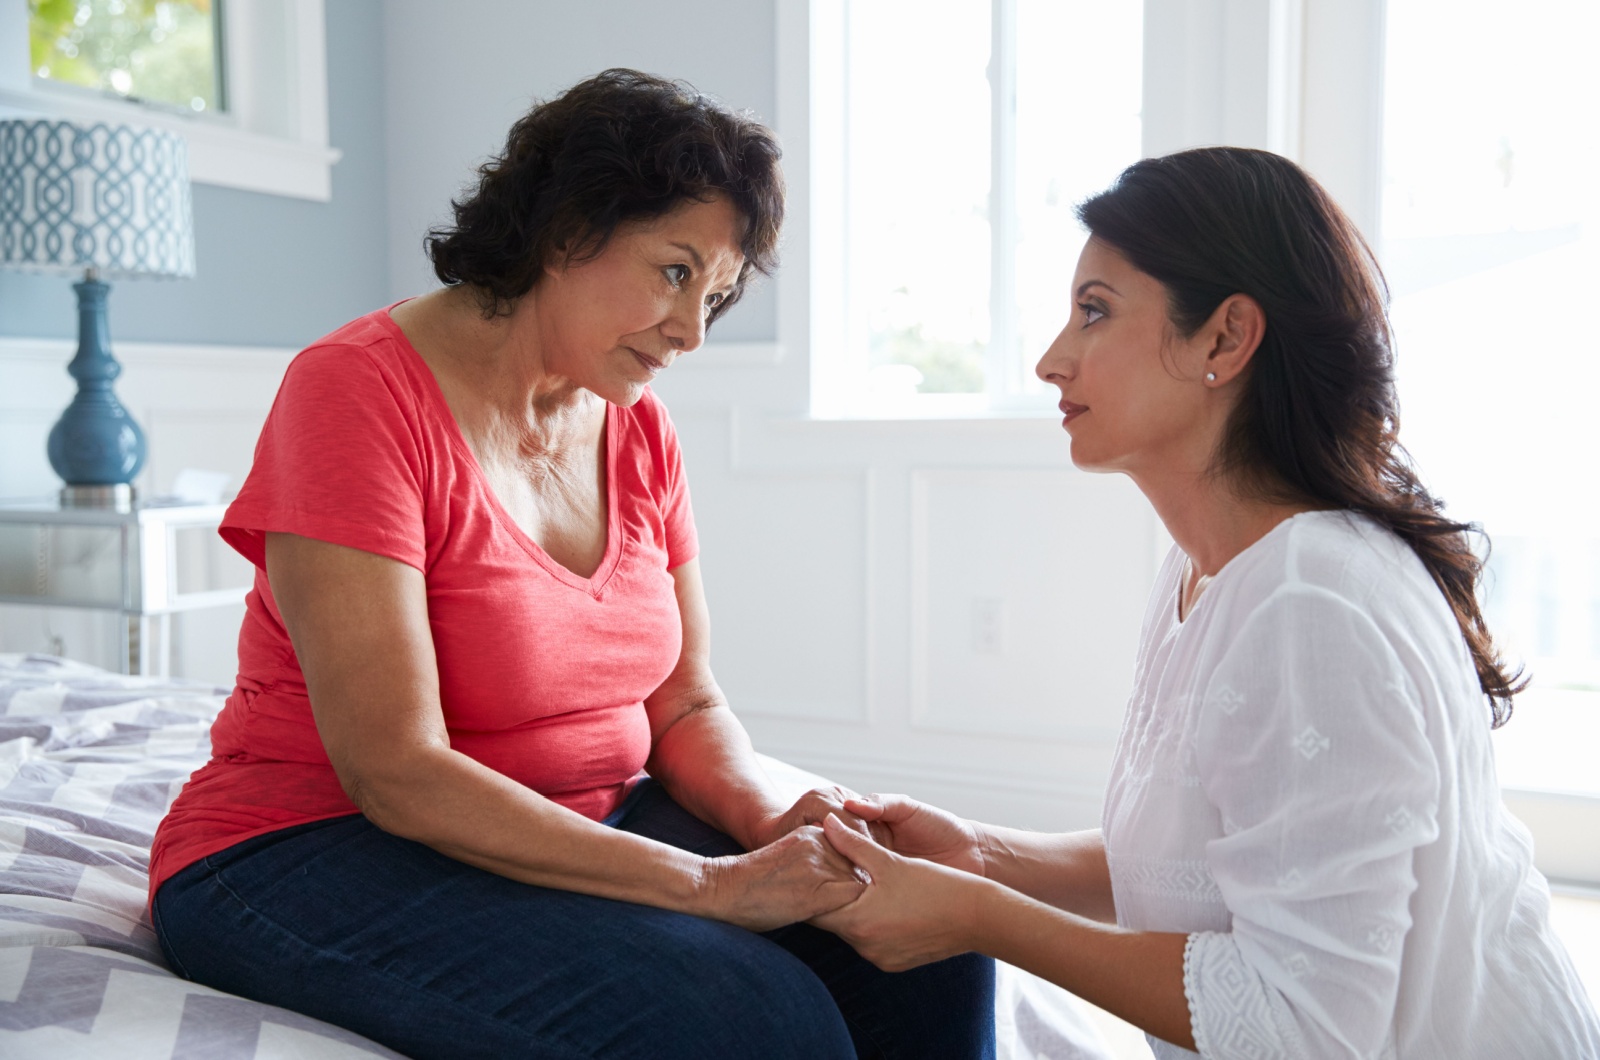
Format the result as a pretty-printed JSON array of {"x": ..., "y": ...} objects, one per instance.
[
  {"x": 1056, "y": 366},
  {"x": 685, "y": 328}
]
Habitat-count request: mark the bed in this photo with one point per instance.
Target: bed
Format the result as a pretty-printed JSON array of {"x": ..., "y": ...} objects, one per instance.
[{"x": 89, "y": 762}]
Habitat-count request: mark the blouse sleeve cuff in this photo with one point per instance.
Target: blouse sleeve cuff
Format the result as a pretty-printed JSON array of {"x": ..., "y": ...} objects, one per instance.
[{"x": 1231, "y": 1011}]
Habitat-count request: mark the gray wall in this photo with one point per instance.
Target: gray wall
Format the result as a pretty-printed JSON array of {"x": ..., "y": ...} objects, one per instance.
[{"x": 270, "y": 271}]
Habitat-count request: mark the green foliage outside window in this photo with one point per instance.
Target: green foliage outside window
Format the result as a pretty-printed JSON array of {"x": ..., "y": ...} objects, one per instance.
[
  {"x": 947, "y": 367},
  {"x": 162, "y": 51}
]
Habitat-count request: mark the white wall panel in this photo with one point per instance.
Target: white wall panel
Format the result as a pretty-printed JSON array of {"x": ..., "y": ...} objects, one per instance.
[
  {"x": 785, "y": 565},
  {"x": 1028, "y": 587}
]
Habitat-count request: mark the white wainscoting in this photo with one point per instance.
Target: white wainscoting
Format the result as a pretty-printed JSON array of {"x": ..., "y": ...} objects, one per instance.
[
  {"x": 944, "y": 608},
  {"x": 1005, "y": 608}
]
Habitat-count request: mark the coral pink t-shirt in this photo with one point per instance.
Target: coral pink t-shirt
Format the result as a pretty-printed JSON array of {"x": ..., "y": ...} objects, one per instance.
[{"x": 542, "y": 674}]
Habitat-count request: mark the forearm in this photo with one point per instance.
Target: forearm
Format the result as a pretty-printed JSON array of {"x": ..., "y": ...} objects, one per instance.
[
  {"x": 1135, "y": 975},
  {"x": 707, "y": 764},
  {"x": 469, "y": 812},
  {"x": 1066, "y": 870}
]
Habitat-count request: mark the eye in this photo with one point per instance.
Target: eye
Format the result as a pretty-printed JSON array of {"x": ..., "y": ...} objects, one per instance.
[
  {"x": 716, "y": 299},
  {"x": 1091, "y": 312},
  {"x": 677, "y": 275}
]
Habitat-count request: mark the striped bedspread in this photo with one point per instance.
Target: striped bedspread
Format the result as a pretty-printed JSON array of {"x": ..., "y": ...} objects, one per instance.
[{"x": 89, "y": 762}]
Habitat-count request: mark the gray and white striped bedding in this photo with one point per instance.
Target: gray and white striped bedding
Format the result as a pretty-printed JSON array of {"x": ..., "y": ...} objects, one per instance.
[{"x": 89, "y": 762}]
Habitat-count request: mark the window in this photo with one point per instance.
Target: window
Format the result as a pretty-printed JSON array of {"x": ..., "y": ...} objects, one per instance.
[
  {"x": 267, "y": 130},
  {"x": 1492, "y": 248},
  {"x": 161, "y": 52},
  {"x": 963, "y": 136}
]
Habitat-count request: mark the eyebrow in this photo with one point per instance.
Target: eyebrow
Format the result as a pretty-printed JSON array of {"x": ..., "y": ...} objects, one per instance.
[
  {"x": 699, "y": 262},
  {"x": 1083, "y": 288}
]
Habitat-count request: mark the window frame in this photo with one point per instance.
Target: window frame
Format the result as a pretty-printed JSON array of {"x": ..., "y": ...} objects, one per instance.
[{"x": 272, "y": 139}]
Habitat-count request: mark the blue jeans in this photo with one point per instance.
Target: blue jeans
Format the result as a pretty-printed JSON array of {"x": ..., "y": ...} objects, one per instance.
[{"x": 434, "y": 958}]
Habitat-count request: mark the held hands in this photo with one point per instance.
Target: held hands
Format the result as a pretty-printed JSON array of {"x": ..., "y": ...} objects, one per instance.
[
  {"x": 793, "y": 874},
  {"x": 813, "y": 808},
  {"x": 798, "y": 874},
  {"x": 911, "y": 913},
  {"x": 796, "y": 877},
  {"x": 917, "y": 830}
]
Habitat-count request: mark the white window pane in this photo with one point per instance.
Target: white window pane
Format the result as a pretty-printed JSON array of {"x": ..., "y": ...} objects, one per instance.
[
  {"x": 1492, "y": 248},
  {"x": 1079, "y": 73},
  {"x": 946, "y": 288},
  {"x": 918, "y": 227}
]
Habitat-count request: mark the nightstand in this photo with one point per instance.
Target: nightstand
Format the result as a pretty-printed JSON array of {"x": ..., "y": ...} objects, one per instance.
[{"x": 148, "y": 563}]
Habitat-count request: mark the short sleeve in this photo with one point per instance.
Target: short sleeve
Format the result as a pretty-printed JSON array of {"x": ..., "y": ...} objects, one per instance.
[
  {"x": 340, "y": 459},
  {"x": 683, "y": 541},
  {"x": 1311, "y": 746}
]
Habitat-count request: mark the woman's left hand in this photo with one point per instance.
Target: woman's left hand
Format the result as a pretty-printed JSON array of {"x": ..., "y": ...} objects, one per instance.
[
  {"x": 912, "y": 912},
  {"x": 812, "y": 808}
]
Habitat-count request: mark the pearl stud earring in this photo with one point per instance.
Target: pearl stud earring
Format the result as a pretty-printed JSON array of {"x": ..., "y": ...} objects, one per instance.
[{"x": 1211, "y": 377}]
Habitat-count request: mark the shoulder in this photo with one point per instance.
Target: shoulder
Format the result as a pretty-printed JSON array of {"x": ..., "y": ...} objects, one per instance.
[
  {"x": 1336, "y": 555},
  {"x": 365, "y": 359},
  {"x": 1336, "y": 586}
]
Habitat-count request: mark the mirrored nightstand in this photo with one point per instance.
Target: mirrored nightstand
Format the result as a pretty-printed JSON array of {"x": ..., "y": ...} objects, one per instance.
[{"x": 148, "y": 563}]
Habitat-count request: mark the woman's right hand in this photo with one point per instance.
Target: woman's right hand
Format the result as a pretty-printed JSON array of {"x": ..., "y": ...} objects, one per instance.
[
  {"x": 793, "y": 878},
  {"x": 916, "y": 830}
]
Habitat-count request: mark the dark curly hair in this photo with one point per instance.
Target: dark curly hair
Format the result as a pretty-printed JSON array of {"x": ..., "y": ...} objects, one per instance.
[
  {"x": 1319, "y": 421},
  {"x": 622, "y": 146}
]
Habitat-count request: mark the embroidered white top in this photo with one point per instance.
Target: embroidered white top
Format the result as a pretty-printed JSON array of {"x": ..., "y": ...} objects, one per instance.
[{"x": 1304, "y": 784}]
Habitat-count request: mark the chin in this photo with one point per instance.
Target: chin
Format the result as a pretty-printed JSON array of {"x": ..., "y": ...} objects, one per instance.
[
  {"x": 1085, "y": 459},
  {"x": 622, "y": 394}
]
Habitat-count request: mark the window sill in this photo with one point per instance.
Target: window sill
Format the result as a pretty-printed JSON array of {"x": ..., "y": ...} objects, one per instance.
[
  {"x": 1026, "y": 427},
  {"x": 886, "y": 408}
]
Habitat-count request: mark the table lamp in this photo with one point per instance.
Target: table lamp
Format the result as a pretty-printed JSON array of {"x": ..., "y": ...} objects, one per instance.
[{"x": 111, "y": 201}]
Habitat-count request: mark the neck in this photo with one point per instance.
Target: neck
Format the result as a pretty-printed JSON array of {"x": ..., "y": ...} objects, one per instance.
[
  {"x": 500, "y": 359},
  {"x": 1213, "y": 519}
]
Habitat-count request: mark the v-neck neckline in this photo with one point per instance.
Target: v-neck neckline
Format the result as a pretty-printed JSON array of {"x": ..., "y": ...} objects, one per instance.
[{"x": 612, "y": 556}]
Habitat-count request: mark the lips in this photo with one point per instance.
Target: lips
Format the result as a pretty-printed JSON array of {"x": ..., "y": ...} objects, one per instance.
[
  {"x": 651, "y": 364},
  {"x": 1070, "y": 411}
]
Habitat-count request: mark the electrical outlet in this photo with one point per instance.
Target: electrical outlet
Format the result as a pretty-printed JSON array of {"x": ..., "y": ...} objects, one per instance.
[{"x": 988, "y": 626}]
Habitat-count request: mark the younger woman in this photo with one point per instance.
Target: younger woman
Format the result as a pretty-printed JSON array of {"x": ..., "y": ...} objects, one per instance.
[{"x": 1304, "y": 851}]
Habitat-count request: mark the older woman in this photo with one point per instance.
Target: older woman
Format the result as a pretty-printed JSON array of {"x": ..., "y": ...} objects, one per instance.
[
  {"x": 1304, "y": 850},
  {"x": 478, "y": 617}
]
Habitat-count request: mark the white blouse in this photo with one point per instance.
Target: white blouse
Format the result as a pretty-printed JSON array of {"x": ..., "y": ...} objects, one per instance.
[{"x": 1304, "y": 784}]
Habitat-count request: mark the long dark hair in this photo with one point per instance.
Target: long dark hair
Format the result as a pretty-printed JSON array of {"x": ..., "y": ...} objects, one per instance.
[
  {"x": 622, "y": 146},
  {"x": 1319, "y": 421}
]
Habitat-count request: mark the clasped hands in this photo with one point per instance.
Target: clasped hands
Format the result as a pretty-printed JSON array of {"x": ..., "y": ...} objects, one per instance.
[{"x": 897, "y": 879}]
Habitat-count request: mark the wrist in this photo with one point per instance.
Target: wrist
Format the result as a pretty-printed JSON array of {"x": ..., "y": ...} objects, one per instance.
[
  {"x": 761, "y": 827},
  {"x": 705, "y": 888},
  {"x": 975, "y": 920},
  {"x": 987, "y": 848}
]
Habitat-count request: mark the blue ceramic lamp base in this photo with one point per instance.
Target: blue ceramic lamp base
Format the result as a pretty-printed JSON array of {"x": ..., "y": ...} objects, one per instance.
[{"x": 96, "y": 447}]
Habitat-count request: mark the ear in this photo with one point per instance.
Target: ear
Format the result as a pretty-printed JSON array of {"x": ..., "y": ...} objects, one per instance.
[{"x": 1233, "y": 334}]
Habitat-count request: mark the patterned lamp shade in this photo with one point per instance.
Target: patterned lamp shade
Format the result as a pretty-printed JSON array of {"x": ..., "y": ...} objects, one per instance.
[{"x": 107, "y": 197}]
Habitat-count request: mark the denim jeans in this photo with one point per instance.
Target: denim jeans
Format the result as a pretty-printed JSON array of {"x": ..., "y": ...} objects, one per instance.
[{"x": 434, "y": 958}]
